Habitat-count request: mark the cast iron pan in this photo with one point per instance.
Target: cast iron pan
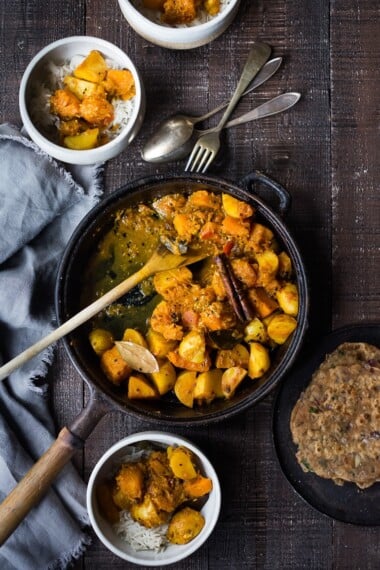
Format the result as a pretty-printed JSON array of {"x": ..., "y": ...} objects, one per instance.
[
  {"x": 345, "y": 503},
  {"x": 103, "y": 396},
  {"x": 82, "y": 245}
]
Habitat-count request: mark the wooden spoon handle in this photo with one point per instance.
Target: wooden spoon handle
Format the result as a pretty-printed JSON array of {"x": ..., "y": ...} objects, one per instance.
[
  {"x": 75, "y": 321},
  {"x": 36, "y": 482}
]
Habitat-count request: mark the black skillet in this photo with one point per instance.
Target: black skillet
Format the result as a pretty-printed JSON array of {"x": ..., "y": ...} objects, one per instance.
[
  {"x": 345, "y": 503},
  {"x": 103, "y": 396}
]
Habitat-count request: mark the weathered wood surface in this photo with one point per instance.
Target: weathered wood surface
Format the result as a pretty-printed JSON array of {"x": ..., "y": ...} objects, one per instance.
[{"x": 326, "y": 152}]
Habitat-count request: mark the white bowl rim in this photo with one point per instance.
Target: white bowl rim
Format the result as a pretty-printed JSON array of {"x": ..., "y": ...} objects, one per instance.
[
  {"x": 185, "y": 32},
  {"x": 75, "y": 156},
  {"x": 167, "y": 439}
]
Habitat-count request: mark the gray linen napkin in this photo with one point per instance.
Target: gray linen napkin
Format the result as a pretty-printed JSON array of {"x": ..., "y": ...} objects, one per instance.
[{"x": 41, "y": 202}]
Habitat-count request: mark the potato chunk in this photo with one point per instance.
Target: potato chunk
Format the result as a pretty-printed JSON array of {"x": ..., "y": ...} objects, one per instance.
[
  {"x": 184, "y": 387},
  {"x": 159, "y": 345},
  {"x": 208, "y": 386},
  {"x": 231, "y": 379},
  {"x": 140, "y": 388},
  {"x": 287, "y": 298},
  {"x": 193, "y": 347},
  {"x": 101, "y": 340},
  {"x": 259, "y": 361},
  {"x": 185, "y": 525},
  {"x": 281, "y": 327},
  {"x": 236, "y": 356},
  {"x": 165, "y": 378}
]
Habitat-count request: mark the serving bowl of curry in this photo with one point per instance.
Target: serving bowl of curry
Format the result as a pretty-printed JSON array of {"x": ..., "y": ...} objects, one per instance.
[{"x": 222, "y": 331}]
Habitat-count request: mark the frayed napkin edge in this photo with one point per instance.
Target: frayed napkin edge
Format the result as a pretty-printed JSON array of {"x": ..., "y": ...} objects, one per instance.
[
  {"x": 21, "y": 138},
  {"x": 94, "y": 194},
  {"x": 66, "y": 558}
]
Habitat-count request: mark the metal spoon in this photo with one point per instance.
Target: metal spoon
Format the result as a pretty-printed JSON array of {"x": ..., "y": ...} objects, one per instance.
[
  {"x": 276, "y": 105},
  {"x": 174, "y": 131}
]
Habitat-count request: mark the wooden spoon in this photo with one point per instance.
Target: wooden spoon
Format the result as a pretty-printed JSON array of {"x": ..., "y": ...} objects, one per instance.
[{"x": 161, "y": 260}]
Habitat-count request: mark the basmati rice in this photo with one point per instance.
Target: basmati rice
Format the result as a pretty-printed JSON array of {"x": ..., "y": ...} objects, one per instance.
[
  {"x": 139, "y": 537},
  {"x": 54, "y": 74},
  {"x": 155, "y": 15}
]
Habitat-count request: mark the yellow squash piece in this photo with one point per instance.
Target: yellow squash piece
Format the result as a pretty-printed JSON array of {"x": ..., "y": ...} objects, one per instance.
[
  {"x": 84, "y": 141},
  {"x": 93, "y": 67}
]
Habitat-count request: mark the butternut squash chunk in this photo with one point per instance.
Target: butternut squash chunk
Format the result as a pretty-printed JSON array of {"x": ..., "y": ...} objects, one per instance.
[{"x": 114, "y": 366}]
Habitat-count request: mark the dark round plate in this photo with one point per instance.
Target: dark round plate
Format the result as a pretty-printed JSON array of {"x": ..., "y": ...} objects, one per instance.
[{"x": 345, "y": 503}]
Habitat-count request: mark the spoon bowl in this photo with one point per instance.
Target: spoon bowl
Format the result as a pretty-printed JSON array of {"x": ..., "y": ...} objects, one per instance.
[
  {"x": 160, "y": 149},
  {"x": 171, "y": 140}
]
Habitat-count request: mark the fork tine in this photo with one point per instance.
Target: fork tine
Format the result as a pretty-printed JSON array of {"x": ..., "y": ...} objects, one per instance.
[
  {"x": 209, "y": 161},
  {"x": 203, "y": 159},
  {"x": 192, "y": 156},
  {"x": 198, "y": 159}
]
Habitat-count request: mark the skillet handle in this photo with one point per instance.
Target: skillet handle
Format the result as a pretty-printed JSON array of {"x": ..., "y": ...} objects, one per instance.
[
  {"x": 266, "y": 188},
  {"x": 31, "y": 489}
]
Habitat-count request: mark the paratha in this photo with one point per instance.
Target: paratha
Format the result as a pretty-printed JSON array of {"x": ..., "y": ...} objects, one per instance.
[{"x": 336, "y": 421}]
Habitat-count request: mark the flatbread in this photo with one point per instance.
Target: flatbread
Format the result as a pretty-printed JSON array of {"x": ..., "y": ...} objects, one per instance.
[{"x": 336, "y": 421}]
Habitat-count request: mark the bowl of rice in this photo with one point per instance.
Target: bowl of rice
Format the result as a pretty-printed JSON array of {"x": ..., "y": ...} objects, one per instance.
[
  {"x": 143, "y": 509},
  {"x": 82, "y": 100},
  {"x": 179, "y": 24}
]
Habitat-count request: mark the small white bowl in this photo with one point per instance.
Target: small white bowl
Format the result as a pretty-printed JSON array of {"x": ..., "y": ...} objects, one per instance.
[
  {"x": 184, "y": 37},
  {"x": 106, "y": 467},
  {"x": 62, "y": 51}
]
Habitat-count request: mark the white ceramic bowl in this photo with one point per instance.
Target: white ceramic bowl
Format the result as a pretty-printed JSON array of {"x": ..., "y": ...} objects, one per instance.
[
  {"x": 62, "y": 51},
  {"x": 178, "y": 37},
  {"x": 106, "y": 467}
]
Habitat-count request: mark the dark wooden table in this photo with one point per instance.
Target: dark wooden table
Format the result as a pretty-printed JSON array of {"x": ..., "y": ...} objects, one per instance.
[{"x": 326, "y": 152}]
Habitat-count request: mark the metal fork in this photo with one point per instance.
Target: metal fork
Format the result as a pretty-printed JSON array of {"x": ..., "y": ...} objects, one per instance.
[{"x": 207, "y": 146}]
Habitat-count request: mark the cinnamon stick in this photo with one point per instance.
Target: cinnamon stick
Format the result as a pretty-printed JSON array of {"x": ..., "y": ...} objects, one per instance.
[{"x": 234, "y": 289}]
